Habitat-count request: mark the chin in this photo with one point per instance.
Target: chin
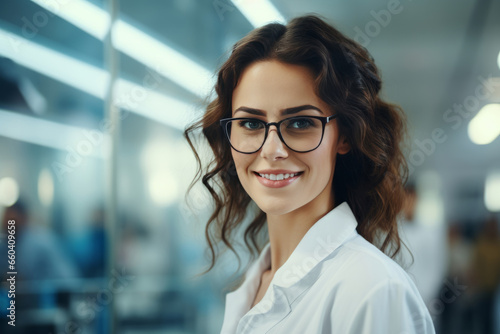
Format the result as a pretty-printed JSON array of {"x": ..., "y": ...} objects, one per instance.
[{"x": 274, "y": 207}]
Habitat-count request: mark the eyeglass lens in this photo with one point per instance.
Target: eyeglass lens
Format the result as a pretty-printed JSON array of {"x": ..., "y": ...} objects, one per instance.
[{"x": 299, "y": 134}]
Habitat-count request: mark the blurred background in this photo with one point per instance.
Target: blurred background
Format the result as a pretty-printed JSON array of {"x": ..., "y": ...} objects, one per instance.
[{"x": 94, "y": 167}]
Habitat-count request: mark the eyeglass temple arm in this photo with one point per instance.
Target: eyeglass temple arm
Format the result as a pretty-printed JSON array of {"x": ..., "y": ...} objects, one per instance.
[{"x": 329, "y": 118}]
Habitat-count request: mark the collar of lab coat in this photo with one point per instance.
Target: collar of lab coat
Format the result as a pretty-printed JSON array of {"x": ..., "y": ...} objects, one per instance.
[{"x": 299, "y": 272}]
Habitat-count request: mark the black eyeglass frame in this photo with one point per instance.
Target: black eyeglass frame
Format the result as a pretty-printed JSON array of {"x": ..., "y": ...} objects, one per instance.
[{"x": 324, "y": 119}]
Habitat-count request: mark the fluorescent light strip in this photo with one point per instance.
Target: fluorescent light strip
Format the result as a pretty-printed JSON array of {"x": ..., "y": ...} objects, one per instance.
[
  {"x": 59, "y": 66},
  {"x": 259, "y": 12},
  {"x": 82, "y": 14},
  {"x": 163, "y": 59},
  {"x": 136, "y": 44},
  {"x": 156, "y": 106},
  {"x": 42, "y": 132},
  {"x": 93, "y": 80}
]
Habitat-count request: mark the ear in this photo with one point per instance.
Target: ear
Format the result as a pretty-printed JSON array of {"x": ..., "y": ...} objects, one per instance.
[{"x": 343, "y": 146}]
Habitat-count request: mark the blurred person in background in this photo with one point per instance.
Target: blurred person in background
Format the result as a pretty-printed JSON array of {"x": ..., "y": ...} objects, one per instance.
[
  {"x": 425, "y": 254},
  {"x": 486, "y": 274},
  {"x": 89, "y": 247},
  {"x": 456, "y": 313},
  {"x": 39, "y": 253},
  {"x": 41, "y": 263}
]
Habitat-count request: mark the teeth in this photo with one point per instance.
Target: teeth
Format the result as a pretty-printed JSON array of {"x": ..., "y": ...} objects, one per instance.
[{"x": 278, "y": 177}]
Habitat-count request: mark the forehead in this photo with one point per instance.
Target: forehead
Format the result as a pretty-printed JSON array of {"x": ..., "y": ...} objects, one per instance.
[{"x": 272, "y": 86}]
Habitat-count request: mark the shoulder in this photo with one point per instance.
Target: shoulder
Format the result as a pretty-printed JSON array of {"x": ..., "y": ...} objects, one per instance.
[
  {"x": 362, "y": 260},
  {"x": 373, "y": 292},
  {"x": 358, "y": 268}
]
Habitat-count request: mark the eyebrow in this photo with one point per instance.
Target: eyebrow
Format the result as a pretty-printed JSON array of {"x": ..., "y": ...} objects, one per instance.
[{"x": 287, "y": 111}]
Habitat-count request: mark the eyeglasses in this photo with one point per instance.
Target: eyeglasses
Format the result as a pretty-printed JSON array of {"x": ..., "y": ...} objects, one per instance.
[{"x": 300, "y": 133}]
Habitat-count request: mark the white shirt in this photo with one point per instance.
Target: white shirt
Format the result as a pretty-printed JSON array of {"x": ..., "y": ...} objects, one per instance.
[{"x": 333, "y": 282}]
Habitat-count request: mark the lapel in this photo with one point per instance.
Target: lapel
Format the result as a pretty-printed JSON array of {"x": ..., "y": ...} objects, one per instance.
[
  {"x": 297, "y": 274},
  {"x": 322, "y": 239}
]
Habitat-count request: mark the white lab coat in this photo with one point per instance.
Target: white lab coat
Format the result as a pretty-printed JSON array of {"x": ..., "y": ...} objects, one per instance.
[{"x": 334, "y": 282}]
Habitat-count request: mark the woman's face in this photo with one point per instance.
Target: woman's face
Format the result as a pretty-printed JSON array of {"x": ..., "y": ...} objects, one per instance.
[{"x": 270, "y": 87}]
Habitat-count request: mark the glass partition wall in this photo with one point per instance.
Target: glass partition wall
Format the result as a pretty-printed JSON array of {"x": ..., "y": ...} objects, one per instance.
[{"x": 93, "y": 168}]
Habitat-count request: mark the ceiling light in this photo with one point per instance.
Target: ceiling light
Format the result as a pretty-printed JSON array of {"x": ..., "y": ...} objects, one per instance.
[
  {"x": 82, "y": 14},
  {"x": 56, "y": 65},
  {"x": 163, "y": 59},
  {"x": 492, "y": 192},
  {"x": 485, "y": 126},
  {"x": 94, "y": 81},
  {"x": 38, "y": 131},
  {"x": 137, "y": 44},
  {"x": 163, "y": 187},
  {"x": 45, "y": 187},
  {"x": 9, "y": 191},
  {"x": 259, "y": 12}
]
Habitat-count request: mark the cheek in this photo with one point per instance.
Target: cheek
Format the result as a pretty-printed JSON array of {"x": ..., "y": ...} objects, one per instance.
[
  {"x": 323, "y": 159},
  {"x": 241, "y": 162}
]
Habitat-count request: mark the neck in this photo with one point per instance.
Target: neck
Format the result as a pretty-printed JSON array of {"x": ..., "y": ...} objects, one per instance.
[{"x": 286, "y": 231}]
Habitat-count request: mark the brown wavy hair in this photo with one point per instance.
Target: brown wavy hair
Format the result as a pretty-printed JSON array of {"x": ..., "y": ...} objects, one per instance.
[{"x": 369, "y": 178}]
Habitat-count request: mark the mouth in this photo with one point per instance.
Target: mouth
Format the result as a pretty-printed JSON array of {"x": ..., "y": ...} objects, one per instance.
[
  {"x": 277, "y": 180},
  {"x": 278, "y": 177}
]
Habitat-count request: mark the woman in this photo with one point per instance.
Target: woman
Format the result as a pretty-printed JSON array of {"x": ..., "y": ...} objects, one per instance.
[{"x": 298, "y": 116}]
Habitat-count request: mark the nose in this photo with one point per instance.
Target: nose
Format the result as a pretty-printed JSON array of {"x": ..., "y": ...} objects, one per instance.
[{"x": 273, "y": 147}]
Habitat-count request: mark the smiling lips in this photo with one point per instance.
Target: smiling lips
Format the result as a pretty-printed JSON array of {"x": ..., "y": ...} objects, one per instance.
[{"x": 277, "y": 178}]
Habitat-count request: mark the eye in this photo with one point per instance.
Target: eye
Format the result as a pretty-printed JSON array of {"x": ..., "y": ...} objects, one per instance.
[
  {"x": 250, "y": 124},
  {"x": 300, "y": 123}
]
